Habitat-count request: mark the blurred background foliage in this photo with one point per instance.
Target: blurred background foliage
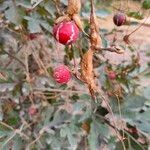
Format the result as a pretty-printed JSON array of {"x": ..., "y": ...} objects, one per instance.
[{"x": 37, "y": 113}]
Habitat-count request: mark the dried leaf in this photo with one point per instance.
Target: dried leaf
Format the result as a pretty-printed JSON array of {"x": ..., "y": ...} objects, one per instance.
[
  {"x": 95, "y": 38},
  {"x": 62, "y": 18},
  {"x": 87, "y": 71},
  {"x": 3, "y": 76},
  {"x": 79, "y": 23},
  {"x": 86, "y": 126},
  {"x": 74, "y": 7},
  {"x": 118, "y": 90}
]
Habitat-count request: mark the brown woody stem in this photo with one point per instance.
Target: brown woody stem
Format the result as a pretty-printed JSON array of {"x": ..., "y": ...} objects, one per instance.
[{"x": 111, "y": 49}]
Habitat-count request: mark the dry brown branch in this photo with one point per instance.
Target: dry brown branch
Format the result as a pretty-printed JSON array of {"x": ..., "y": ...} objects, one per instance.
[{"x": 111, "y": 49}]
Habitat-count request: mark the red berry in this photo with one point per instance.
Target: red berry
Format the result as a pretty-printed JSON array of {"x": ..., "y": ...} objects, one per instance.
[
  {"x": 134, "y": 130},
  {"x": 112, "y": 75},
  {"x": 32, "y": 110},
  {"x": 119, "y": 19},
  {"x": 62, "y": 74},
  {"x": 109, "y": 93},
  {"x": 66, "y": 32},
  {"x": 32, "y": 36}
]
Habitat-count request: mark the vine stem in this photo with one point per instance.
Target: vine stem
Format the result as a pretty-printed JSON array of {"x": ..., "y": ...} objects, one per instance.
[
  {"x": 14, "y": 57},
  {"x": 92, "y": 7},
  {"x": 16, "y": 131},
  {"x": 139, "y": 26},
  {"x": 112, "y": 126},
  {"x": 57, "y": 90}
]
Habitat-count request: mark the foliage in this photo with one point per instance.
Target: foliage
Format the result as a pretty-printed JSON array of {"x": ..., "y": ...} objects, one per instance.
[{"x": 68, "y": 116}]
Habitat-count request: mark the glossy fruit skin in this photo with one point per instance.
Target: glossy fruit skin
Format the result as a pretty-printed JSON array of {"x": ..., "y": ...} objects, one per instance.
[
  {"x": 112, "y": 75},
  {"x": 66, "y": 32},
  {"x": 119, "y": 19},
  {"x": 62, "y": 74}
]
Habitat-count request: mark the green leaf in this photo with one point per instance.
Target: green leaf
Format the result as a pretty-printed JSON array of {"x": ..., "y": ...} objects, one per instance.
[
  {"x": 4, "y": 133},
  {"x": 104, "y": 42},
  {"x": 34, "y": 23},
  {"x": 146, "y": 92},
  {"x": 85, "y": 97},
  {"x": 60, "y": 117},
  {"x": 136, "y": 15},
  {"x": 56, "y": 141},
  {"x": 129, "y": 107},
  {"x": 13, "y": 14},
  {"x": 48, "y": 114},
  {"x": 142, "y": 121},
  {"x": 146, "y": 4},
  {"x": 17, "y": 143},
  {"x": 70, "y": 131},
  {"x": 34, "y": 2},
  {"x": 134, "y": 101},
  {"x": 50, "y": 8},
  {"x": 98, "y": 133},
  {"x": 1, "y": 112},
  {"x": 25, "y": 4},
  {"x": 46, "y": 26}
]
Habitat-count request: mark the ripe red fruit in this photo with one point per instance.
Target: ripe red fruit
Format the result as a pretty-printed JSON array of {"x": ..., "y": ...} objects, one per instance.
[
  {"x": 62, "y": 74},
  {"x": 32, "y": 110},
  {"x": 112, "y": 75},
  {"x": 66, "y": 32},
  {"x": 119, "y": 19}
]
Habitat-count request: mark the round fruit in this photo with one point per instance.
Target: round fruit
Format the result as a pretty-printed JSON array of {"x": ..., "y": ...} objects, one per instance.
[
  {"x": 119, "y": 19},
  {"x": 112, "y": 75},
  {"x": 66, "y": 32},
  {"x": 62, "y": 74},
  {"x": 32, "y": 36},
  {"x": 32, "y": 110}
]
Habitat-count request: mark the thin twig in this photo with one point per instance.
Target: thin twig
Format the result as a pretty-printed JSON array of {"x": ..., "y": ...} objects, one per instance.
[
  {"x": 58, "y": 90},
  {"x": 36, "y": 4},
  {"x": 14, "y": 57},
  {"x": 57, "y": 5},
  {"x": 111, "y": 49},
  {"x": 16, "y": 131},
  {"x": 139, "y": 26},
  {"x": 134, "y": 140},
  {"x": 6, "y": 125},
  {"x": 9, "y": 139},
  {"x": 111, "y": 112},
  {"x": 112, "y": 126},
  {"x": 92, "y": 7},
  {"x": 38, "y": 137}
]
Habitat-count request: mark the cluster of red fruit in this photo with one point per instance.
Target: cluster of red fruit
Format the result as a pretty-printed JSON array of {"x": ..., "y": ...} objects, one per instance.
[{"x": 67, "y": 32}]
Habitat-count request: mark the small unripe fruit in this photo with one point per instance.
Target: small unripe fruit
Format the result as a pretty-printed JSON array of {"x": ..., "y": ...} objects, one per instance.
[
  {"x": 66, "y": 32},
  {"x": 119, "y": 19},
  {"x": 86, "y": 126},
  {"x": 109, "y": 93},
  {"x": 62, "y": 74},
  {"x": 32, "y": 36},
  {"x": 32, "y": 110},
  {"x": 112, "y": 75}
]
